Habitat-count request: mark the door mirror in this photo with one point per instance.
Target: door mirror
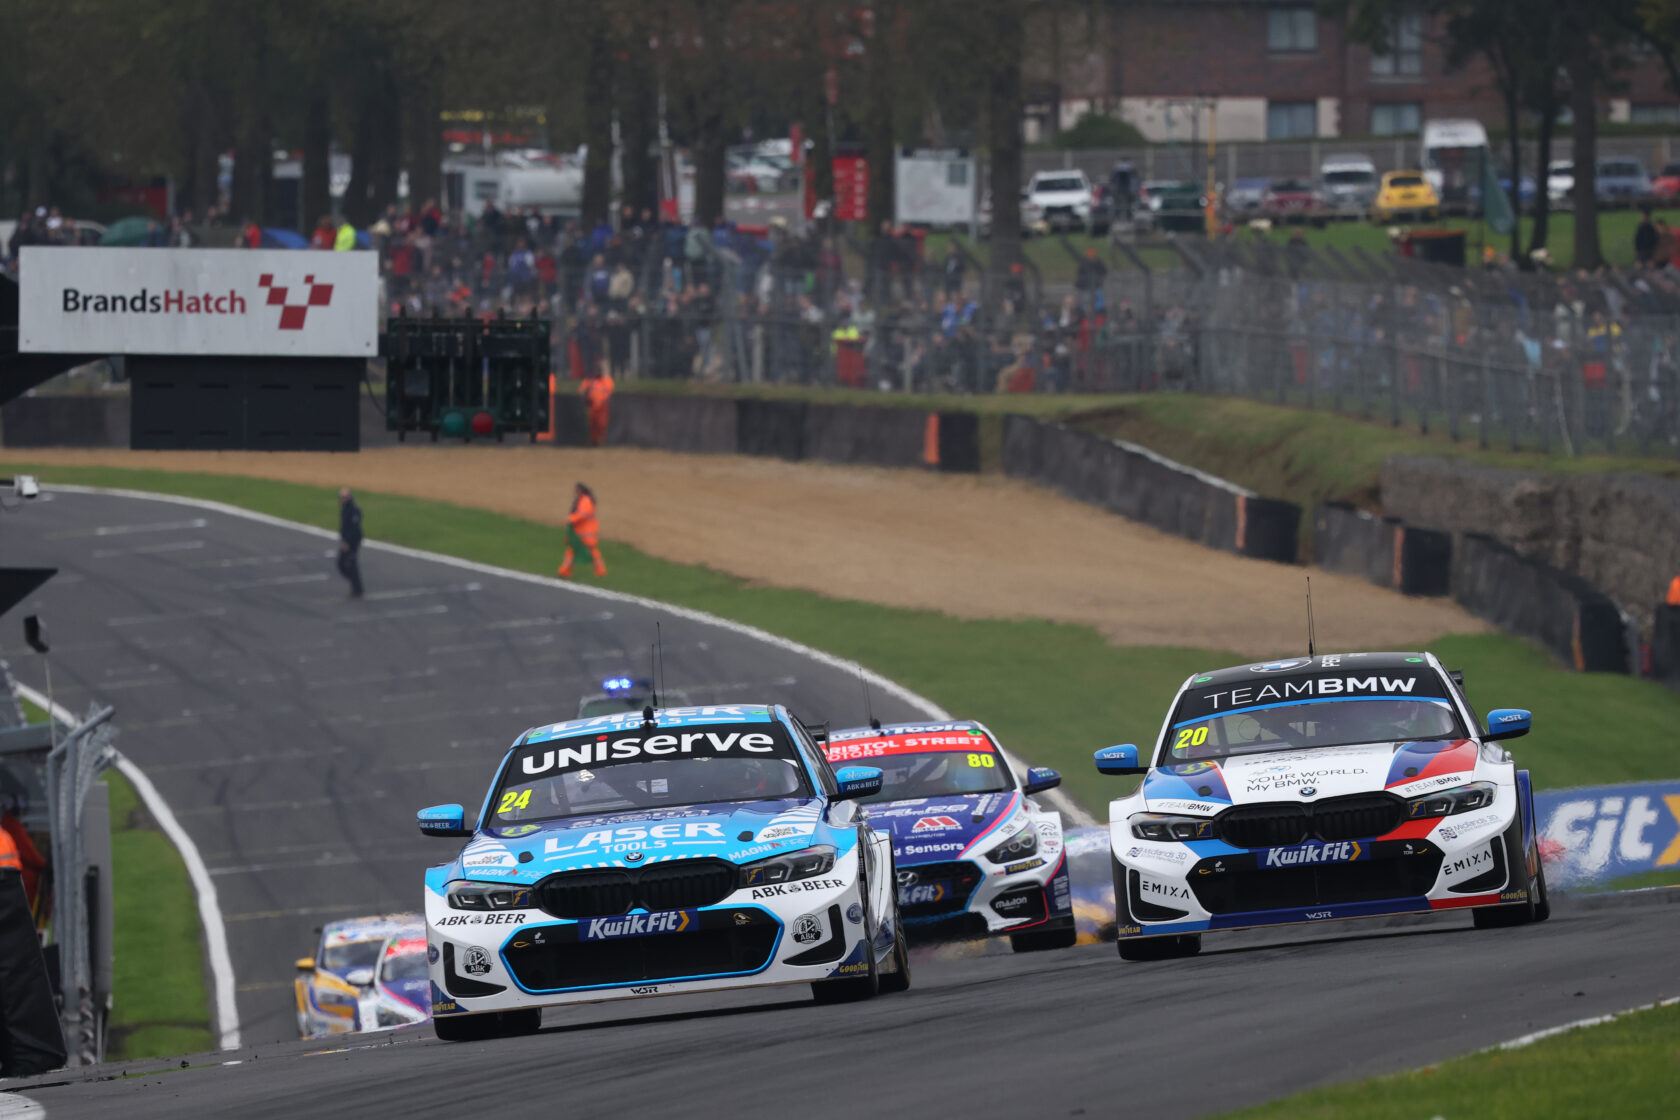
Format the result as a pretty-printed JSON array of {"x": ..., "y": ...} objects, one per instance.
[
  {"x": 1040, "y": 778},
  {"x": 857, "y": 781},
  {"x": 1508, "y": 723},
  {"x": 306, "y": 964},
  {"x": 359, "y": 977},
  {"x": 444, "y": 820},
  {"x": 1122, "y": 759}
]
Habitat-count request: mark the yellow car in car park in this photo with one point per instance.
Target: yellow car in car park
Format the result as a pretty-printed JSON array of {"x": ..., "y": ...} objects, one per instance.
[{"x": 1405, "y": 194}]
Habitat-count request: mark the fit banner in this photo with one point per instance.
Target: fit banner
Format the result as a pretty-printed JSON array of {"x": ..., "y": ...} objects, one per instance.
[{"x": 1601, "y": 834}]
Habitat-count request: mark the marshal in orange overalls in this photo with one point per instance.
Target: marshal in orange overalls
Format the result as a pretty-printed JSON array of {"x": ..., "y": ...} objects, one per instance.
[
  {"x": 597, "y": 392},
  {"x": 582, "y": 532}
]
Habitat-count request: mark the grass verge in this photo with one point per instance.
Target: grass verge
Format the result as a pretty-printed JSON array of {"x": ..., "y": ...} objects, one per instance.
[
  {"x": 1054, "y": 692},
  {"x": 161, "y": 1005},
  {"x": 1624, "y": 1068}
]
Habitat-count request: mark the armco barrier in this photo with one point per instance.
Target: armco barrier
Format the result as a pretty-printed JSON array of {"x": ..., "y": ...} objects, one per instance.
[
  {"x": 1381, "y": 549},
  {"x": 1603, "y": 833},
  {"x": 1535, "y": 600},
  {"x": 65, "y": 421},
  {"x": 1143, "y": 486}
]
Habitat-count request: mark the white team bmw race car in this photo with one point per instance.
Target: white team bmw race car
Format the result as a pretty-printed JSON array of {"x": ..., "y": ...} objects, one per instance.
[
  {"x": 654, "y": 853},
  {"x": 975, "y": 853},
  {"x": 1318, "y": 788}
]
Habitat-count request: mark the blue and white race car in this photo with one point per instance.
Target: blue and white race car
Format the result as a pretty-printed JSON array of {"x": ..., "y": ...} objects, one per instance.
[
  {"x": 1320, "y": 788},
  {"x": 655, "y": 853},
  {"x": 363, "y": 977},
  {"x": 976, "y": 854}
]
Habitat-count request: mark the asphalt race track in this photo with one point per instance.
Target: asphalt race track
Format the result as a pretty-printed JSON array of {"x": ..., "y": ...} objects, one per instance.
[{"x": 295, "y": 732}]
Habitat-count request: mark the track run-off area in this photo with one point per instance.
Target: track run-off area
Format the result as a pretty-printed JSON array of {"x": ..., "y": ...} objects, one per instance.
[{"x": 292, "y": 733}]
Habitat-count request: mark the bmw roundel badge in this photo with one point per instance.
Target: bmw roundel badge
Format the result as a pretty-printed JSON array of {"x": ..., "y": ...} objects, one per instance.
[
  {"x": 1308, "y": 791},
  {"x": 854, "y": 913},
  {"x": 633, "y": 857}
]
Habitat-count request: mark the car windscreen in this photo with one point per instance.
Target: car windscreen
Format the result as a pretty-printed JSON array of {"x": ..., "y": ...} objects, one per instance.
[
  {"x": 1350, "y": 177},
  {"x": 1290, "y": 186},
  {"x": 404, "y": 961},
  {"x": 1671, "y": 170},
  {"x": 1321, "y": 709},
  {"x": 1405, "y": 181},
  {"x": 348, "y": 955},
  {"x": 1064, "y": 184},
  {"x": 629, "y": 767},
  {"x": 927, "y": 763},
  {"x": 1621, "y": 169}
]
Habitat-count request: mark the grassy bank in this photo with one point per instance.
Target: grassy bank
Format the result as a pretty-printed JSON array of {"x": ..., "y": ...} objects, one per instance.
[
  {"x": 1054, "y": 692},
  {"x": 1624, "y": 1068}
]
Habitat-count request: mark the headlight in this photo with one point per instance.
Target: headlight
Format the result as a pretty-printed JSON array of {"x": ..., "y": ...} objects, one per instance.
[
  {"x": 1023, "y": 843},
  {"x": 1477, "y": 795},
  {"x": 391, "y": 1017},
  {"x": 1161, "y": 826},
  {"x": 802, "y": 864},
  {"x": 488, "y": 896}
]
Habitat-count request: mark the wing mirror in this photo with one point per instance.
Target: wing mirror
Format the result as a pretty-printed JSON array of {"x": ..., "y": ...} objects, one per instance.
[
  {"x": 359, "y": 977},
  {"x": 1040, "y": 778},
  {"x": 1508, "y": 723},
  {"x": 857, "y": 781},
  {"x": 444, "y": 820},
  {"x": 306, "y": 964},
  {"x": 1122, "y": 759}
]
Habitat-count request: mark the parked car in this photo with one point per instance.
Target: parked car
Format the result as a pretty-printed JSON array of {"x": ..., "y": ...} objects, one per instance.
[
  {"x": 1405, "y": 194},
  {"x": 1622, "y": 181},
  {"x": 1667, "y": 182},
  {"x": 1178, "y": 207},
  {"x": 1032, "y": 217},
  {"x": 1063, "y": 196},
  {"x": 1244, "y": 198},
  {"x": 1293, "y": 200},
  {"x": 1560, "y": 182},
  {"x": 1349, "y": 185}
]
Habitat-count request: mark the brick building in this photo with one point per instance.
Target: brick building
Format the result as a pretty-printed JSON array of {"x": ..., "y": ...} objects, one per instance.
[{"x": 1274, "y": 70}]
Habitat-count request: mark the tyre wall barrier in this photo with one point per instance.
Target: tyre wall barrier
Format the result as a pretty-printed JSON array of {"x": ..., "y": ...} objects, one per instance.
[
  {"x": 1665, "y": 645},
  {"x": 1383, "y": 550},
  {"x": 956, "y": 442},
  {"x": 1143, "y": 486},
  {"x": 773, "y": 428},
  {"x": 48, "y": 421},
  {"x": 1559, "y": 610},
  {"x": 705, "y": 425},
  {"x": 885, "y": 437},
  {"x": 1618, "y": 532}
]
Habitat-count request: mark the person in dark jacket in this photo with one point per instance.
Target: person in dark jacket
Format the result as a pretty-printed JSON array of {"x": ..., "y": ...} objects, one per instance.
[{"x": 349, "y": 541}]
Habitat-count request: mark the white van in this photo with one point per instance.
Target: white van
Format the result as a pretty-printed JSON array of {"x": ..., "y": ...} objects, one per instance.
[
  {"x": 1453, "y": 152},
  {"x": 1349, "y": 184}
]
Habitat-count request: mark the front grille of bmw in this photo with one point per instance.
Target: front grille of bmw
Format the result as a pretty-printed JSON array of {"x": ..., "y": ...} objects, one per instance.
[
  {"x": 1238, "y": 884},
  {"x": 720, "y": 943},
  {"x": 1278, "y": 824},
  {"x": 960, "y": 875},
  {"x": 678, "y": 884}
]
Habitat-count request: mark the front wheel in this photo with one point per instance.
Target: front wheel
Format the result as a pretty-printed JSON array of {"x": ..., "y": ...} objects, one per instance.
[
  {"x": 852, "y": 988},
  {"x": 898, "y": 979},
  {"x": 1160, "y": 948}
]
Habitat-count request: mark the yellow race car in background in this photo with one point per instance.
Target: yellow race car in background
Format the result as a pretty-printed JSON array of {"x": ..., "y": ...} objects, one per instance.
[
  {"x": 1405, "y": 194},
  {"x": 360, "y": 977}
]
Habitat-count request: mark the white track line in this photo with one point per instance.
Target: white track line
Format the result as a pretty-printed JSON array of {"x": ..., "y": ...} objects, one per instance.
[
  {"x": 1596, "y": 1020},
  {"x": 1058, "y": 798},
  {"x": 209, "y": 908}
]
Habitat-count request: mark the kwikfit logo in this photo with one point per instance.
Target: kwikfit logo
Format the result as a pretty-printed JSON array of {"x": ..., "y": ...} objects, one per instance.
[
  {"x": 637, "y": 925},
  {"x": 1337, "y": 851},
  {"x": 292, "y": 314}
]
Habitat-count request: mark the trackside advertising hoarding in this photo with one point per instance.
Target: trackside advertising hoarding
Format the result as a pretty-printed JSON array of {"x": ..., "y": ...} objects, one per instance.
[
  {"x": 1604, "y": 833},
  {"x": 229, "y": 302}
]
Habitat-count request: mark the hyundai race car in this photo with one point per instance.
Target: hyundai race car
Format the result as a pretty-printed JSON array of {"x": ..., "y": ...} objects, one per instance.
[
  {"x": 975, "y": 853},
  {"x": 367, "y": 974},
  {"x": 1320, "y": 788},
  {"x": 654, "y": 853}
]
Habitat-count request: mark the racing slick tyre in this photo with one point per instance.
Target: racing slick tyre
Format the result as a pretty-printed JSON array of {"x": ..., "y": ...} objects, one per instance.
[
  {"x": 898, "y": 979},
  {"x": 1160, "y": 948},
  {"x": 851, "y": 989},
  {"x": 1042, "y": 940}
]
